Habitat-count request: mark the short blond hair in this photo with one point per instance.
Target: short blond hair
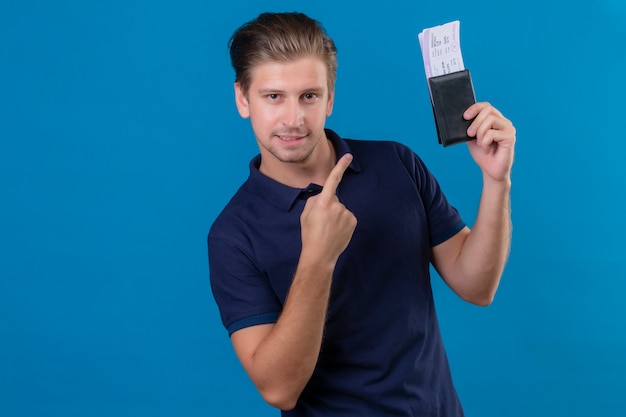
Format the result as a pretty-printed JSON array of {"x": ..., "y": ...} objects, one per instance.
[{"x": 280, "y": 37}]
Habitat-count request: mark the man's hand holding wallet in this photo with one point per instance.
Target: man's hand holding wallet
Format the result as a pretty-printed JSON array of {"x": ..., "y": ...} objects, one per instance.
[
  {"x": 457, "y": 115},
  {"x": 449, "y": 83}
]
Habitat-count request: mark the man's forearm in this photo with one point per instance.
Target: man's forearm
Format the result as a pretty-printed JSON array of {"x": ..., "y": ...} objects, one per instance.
[{"x": 486, "y": 249}]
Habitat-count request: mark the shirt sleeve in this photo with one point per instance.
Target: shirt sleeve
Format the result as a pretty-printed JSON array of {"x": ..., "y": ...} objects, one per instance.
[
  {"x": 243, "y": 294},
  {"x": 444, "y": 221}
]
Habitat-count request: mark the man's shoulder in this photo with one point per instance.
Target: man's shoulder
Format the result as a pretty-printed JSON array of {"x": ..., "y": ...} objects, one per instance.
[
  {"x": 236, "y": 210},
  {"x": 376, "y": 144},
  {"x": 382, "y": 151}
]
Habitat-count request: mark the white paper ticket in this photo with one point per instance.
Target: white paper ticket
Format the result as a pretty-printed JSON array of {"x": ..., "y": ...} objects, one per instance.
[{"x": 441, "y": 49}]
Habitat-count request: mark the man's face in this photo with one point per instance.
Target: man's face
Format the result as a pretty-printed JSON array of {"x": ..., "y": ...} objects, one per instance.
[{"x": 287, "y": 104}]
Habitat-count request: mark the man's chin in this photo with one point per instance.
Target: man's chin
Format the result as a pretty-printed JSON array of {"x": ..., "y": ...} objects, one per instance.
[{"x": 291, "y": 157}]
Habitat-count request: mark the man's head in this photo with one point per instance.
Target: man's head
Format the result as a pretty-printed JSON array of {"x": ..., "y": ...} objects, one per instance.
[
  {"x": 280, "y": 37},
  {"x": 285, "y": 67}
]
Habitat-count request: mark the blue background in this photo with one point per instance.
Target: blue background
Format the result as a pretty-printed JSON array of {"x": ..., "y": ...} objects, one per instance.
[{"x": 120, "y": 143}]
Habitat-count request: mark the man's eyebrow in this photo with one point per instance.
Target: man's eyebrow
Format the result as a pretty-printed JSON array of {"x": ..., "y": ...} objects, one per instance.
[
  {"x": 270, "y": 90},
  {"x": 318, "y": 90}
]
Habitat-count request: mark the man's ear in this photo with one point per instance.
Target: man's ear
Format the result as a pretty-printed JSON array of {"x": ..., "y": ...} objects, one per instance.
[
  {"x": 331, "y": 101},
  {"x": 241, "y": 101}
]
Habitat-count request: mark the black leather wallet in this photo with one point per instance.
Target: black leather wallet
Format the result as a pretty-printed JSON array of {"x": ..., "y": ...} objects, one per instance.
[{"x": 451, "y": 94}]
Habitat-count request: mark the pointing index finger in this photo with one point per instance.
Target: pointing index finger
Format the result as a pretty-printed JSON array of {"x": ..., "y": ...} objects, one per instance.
[{"x": 335, "y": 176}]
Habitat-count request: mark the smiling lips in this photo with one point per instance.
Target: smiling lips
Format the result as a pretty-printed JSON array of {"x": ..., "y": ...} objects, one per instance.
[{"x": 291, "y": 138}]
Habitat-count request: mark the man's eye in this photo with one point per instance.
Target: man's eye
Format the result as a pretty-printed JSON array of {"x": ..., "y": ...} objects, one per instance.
[
  {"x": 273, "y": 97},
  {"x": 310, "y": 96}
]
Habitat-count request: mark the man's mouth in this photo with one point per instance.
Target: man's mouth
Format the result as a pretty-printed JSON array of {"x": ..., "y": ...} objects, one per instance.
[{"x": 290, "y": 138}]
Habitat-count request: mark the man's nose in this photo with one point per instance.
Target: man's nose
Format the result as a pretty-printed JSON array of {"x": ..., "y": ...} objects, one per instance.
[{"x": 294, "y": 114}]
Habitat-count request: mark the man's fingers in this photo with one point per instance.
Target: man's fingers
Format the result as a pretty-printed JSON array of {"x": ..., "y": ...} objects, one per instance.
[
  {"x": 485, "y": 117},
  {"x": 335, "y": 176}
]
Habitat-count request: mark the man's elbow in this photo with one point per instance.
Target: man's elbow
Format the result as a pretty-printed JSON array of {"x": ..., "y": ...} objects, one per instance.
[
  {"x": 281, "y": 399},
  {"x": 483, "y": 297},
  {"x": 483, "y": 300},
  {"x": 484, "y": 293}
]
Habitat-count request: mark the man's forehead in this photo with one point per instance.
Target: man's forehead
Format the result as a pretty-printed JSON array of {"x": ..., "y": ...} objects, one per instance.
[{"x": 308, "y": 73}]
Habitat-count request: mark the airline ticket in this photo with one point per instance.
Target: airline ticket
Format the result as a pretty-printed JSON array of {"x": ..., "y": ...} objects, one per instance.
[{"x": 441, "y": 49}]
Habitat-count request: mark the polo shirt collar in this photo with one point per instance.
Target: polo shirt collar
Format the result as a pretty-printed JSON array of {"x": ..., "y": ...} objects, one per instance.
[{"x": 282, "y": 196}]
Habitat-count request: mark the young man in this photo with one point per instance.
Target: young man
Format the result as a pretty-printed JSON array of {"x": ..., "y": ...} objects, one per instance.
[{"x": 320, "y": 262}]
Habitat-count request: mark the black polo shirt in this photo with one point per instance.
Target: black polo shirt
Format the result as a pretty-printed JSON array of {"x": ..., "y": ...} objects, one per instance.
[{"x": 382, "y": 353}]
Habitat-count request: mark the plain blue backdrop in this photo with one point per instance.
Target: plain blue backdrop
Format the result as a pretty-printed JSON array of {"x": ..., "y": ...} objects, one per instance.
[{"x": 120, "y": 143}]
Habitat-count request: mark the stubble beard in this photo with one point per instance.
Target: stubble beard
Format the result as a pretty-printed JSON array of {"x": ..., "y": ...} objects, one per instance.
[{"x": 291, "y": 156}]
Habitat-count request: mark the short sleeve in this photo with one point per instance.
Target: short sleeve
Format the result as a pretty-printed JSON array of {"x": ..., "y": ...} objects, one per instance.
[
  {"x": 444, "y": 221},
  {"x": 243, "y": 294}
]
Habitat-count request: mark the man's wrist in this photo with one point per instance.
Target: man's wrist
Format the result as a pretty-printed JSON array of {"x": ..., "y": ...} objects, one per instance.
[{"x": 502, "y": 185}]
